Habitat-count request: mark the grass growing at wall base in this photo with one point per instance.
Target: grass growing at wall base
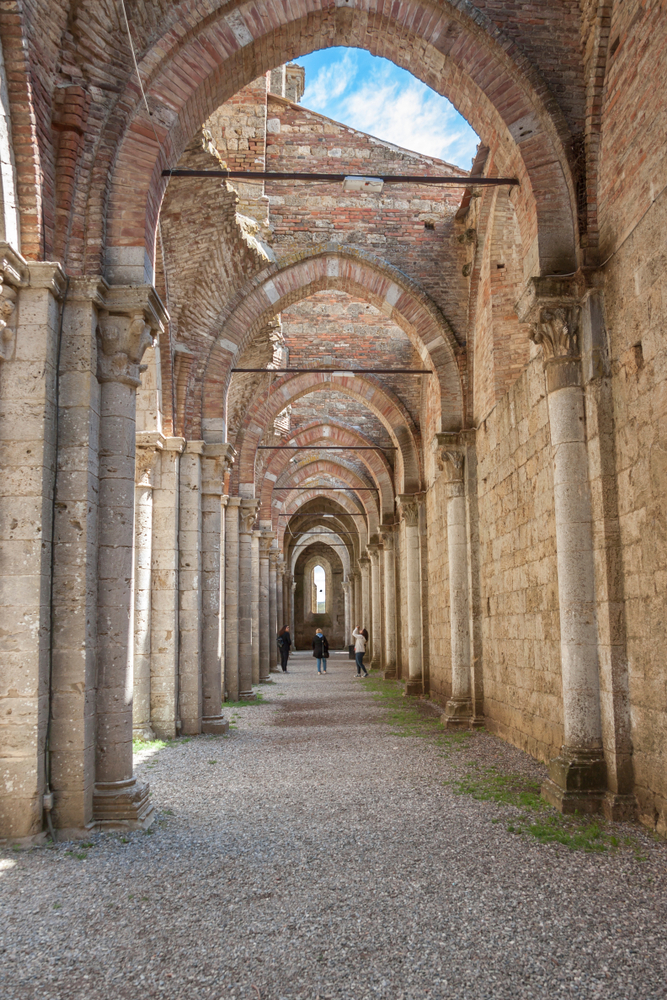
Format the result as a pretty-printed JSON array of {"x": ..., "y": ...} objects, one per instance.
[{"x": 531, "y": 816}]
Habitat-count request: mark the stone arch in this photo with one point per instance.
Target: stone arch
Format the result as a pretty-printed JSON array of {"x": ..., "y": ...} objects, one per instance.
[
  {"x": 320, "y": 534},
  {"x": 200, "y": 57},
  {"x": 332, "y": 620},
  {"x": 357, "y": 272},
  {"x": 343, "y": 506},
  {"x": 331, "y": 433},
  {"x": 287, "y": 389}
]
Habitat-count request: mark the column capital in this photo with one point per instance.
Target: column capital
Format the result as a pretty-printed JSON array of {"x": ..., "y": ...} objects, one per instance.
[
  {"x": 265, "y": 543},
  {"x": 248, "y": 512},
  {"x": 387, "y": 535},
  {"x": 129, "y": 323},
  {"x": 373, "y": 550},
  {"x": 13, "y": 275},
  {"x": 274, "y": 557},
  {"x": 364, "y": 563},
  {"x": 233, "y": 501},
  {"x": 552, "y": 306},
  {"x": 216, "y": 460},
  {"x": 408, "y": 505}
]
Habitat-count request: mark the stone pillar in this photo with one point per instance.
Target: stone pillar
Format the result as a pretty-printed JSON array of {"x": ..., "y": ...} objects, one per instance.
[
  {"x": 143, "y": 571},
  {"x": 577, "y": 777},
  {"x": 408, "y": 505},
  {"x": 264, "y": 574},
  {"x": 389, "y": 571},
  {"x": 365, "y": 571},
  {"x": 189, "y": 589},
  {"x": 280, "y": 594},
  {"x": 215, "y": 461},
  {"x": 256, "y": 535},
  {"x": 28, "y": 359},
  {"x": 292, "y": 589},
  {"x": 274, "y": 556},
  {"x": 231, "y": 677},
  {"x": 165, "y": 719},
  {"x": 125, "y": 330},
  {"x": 347, "y": 587},
  {"x": 357, "y": 608},
  {"x": 451, "y": 458},
  {"x": 247, "y": 520},
  {"x": 376, "y": 608}
]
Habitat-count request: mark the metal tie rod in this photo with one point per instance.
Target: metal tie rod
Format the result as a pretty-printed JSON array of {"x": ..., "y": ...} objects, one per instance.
[
  {"x": 335, "y": 371},
  {"x": 262, "y": 175},
  {"x": 340, "y": 489},
  {"x": 324, "y": 447},
  {"x": 323, "y": 514}
]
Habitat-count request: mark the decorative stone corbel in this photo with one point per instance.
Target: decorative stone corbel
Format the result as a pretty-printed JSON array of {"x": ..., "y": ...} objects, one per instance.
[
  {"x": 408, "y": 505},
  {"x": 13, "y": 275},
  {"x": 248, "y": 514}
]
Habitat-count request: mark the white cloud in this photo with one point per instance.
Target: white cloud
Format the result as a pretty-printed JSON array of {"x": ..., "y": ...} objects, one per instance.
[{"x": 393, "y": 106}]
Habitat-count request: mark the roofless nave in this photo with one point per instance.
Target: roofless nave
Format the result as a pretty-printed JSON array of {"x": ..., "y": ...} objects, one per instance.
[{"x": 449, "y": 398}]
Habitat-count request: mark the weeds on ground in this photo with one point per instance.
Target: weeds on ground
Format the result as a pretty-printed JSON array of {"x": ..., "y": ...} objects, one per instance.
[{"x": 531, "y": 815}]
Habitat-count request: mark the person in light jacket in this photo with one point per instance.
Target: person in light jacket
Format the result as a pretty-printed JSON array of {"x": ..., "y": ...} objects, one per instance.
[
  {"x": 360, "y": 650},
  {"x": 321, "y": 651}
]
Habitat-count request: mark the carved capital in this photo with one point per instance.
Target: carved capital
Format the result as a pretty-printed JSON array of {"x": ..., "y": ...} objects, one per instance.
[
  {"x": 274, "y": 557},
  {"x": 265, "y": 543},
  {"x": 128, "y": 324},
  {"x": 247, "y": 514},
  {"x": 408, "y": 507},
  {"x": 373, "y": 551},
  {"x": 387, "y": 536},
  {"x": 557, "y": 332},
  {"x": 13, "y": 275}
]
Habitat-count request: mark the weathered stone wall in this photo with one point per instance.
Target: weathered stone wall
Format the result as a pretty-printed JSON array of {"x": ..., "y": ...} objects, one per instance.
[{"x": 519, "y": 600}]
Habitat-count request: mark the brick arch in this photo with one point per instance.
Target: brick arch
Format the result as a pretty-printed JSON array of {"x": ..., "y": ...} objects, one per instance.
[
  {"x": 346, "y": 475},
  {"x": 287, "y": 389},
  {"x": 358, "y": 273},
  {"x": 203, "y": 53},
  {"x": 315, "y": 434},
  {"x": 345, "y": 504}
]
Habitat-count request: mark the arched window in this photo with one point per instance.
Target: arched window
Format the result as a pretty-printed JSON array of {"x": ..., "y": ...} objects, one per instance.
[{"x": 319, "y": 591}]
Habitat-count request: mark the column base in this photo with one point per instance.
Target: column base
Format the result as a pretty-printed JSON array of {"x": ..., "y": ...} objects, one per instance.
[
  {"x": 577, "y": 781},
  {"x": 375, "y": 664},
  {"x": 143, "y": 732},
  {"x": 247, "y": 696},
  {"x": 458, "y": 714},
  {"x": 413, "y": 688},
  {"x": 390, "y": 674},
  {"x": 122, "y": 805},
  {"x": 274, "y": 670},
  {"x": 477, "y": 722},
  {"x": 216, "y": 725},
  {"x": 620, "y": 808}
]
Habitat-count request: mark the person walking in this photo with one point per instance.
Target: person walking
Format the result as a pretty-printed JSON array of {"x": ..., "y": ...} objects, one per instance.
[
  {"x": 284, "y": 644},
  {"x": 321, "y": 651},
  {"x": 360, "y": 639}
]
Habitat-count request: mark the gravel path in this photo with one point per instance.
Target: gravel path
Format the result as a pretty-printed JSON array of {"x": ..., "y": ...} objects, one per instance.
[{"x": 314, "y": 854}]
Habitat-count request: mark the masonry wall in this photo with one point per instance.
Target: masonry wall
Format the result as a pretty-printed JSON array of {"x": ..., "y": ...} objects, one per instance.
[{"x": 519, "y": 584}]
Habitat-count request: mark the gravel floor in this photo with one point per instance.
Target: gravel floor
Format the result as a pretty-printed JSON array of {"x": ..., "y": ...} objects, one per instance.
[{"x": 314, "y": 854}]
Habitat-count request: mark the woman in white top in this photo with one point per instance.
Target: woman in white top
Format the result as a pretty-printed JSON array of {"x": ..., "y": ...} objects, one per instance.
[{"x": 359, "y": 650}]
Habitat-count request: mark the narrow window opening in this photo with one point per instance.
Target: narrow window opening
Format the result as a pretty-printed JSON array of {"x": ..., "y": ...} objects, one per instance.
[{"x": 319, "y": 590}]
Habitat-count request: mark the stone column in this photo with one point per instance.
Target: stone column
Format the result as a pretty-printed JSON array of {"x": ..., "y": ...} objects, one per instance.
[
  {"x": 280, "y": 594},
  {"x": 408, "y": 505},
  {"x": 264, "y": 573},
  {"x": 346, "y": 590},
  {"x": 389, "y": 570},
  {"x": 451, "y": 458},
  {"x": 125, "y": 330},
  {"x": 231, "y": 678},
  {"x": 376, "y": 608},
  {"x": 165, "y": 719},
  {"x": 577, "y": 777},
  {"x": 365, "y": 571},
  {"x": 215, "y": 461},
  {"x": 357, "y": 609},
  {"x": 143, "y": 572},
  {"x": 247, "y": 520},
  {"x": 256, "y": 535},
  {"x": 274, "y": 556},
  {"x": 189, "y": 589}
]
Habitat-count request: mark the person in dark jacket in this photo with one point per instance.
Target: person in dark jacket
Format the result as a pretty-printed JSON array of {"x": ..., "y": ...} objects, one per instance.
[
  {"x": 321, "y": 651},
  {"x": 284, "y": 644}
]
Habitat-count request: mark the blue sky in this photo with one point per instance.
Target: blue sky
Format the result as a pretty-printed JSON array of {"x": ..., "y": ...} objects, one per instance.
[{"x": 372, "y": 95}]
